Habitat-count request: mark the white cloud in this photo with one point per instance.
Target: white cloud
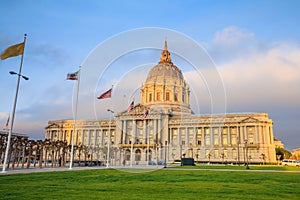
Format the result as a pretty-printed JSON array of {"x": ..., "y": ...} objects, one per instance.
[
  {"x": 231, "y": 43},
  {"x": 232, "y": 36},
  {"x": 258, "y": 77},
  {"x": 269, "y": 78}
]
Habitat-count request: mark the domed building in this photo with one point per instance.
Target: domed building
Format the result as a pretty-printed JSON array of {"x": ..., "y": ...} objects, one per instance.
[
  {"x": 163, "y": 128},
  {"x": 166, "y": 87}
]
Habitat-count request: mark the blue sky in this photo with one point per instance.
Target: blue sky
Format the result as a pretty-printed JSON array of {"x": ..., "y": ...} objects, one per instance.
[{"x": 254, "y": 44}]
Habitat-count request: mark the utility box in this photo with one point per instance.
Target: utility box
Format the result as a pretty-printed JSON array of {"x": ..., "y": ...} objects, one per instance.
[{"x": 187, "y": 162}]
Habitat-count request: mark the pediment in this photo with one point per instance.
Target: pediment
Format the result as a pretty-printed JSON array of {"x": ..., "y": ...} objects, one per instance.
[
  {"x": 54, "y": 125},
  {"x": 249, "y": 120},
  {"x": 137, "y": 109},
  {"x": 140, "y": 109}
]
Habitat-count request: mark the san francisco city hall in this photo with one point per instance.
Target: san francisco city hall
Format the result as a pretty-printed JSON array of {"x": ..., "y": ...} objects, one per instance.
[{"x": 171, "y": 131}]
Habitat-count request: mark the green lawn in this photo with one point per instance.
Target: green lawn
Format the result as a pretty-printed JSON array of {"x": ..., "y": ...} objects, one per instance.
[{"x": 159, "y": 184}]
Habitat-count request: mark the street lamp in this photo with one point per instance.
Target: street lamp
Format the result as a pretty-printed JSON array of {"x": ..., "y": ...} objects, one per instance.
[
  {"x": 24, "y": 77},
  {"x": 108, "y": 140},
  {"x": 165, "y": 164},
  {"x": 13, "y": 116}
]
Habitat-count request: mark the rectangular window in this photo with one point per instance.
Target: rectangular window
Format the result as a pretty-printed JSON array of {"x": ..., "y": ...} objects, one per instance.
[
  {"x": 191, "y": 136},
  {"x": 225, "y": 153},
  {"x": 158, "y": 98},
  {"x": 207, "y": 153},
  {"x": 225, "y": 139},
  {"x": 250, "y": 135},
  {"x": 207, "y": 139},
  {"x": 150, "y": 97},
  {"x": 216, "y": 153},
  {"x": 167, "y": 96},
  {"x": 199, "y": 136},
  {"x": 216, "y": 138},
  {"x": 233, "y": 139},
  {"x": 234, "y": 154},
  {"x": 141, "y": 131}
]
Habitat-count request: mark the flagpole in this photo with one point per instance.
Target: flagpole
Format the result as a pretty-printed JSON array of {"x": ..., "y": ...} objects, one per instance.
[
  {"x": 13, "y": 110},
  {"x": 148, "y": 144},
  {"x": 75, "y": 118},
  {"x": 132, "y": 142}
]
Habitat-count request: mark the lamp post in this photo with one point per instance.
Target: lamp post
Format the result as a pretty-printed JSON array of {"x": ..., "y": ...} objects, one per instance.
[
  {"x": 165, "y": 164},
  {"x": 238, "y": 150},
  {"x": 13, "y": 115},
  {"x": 245, "y": 152},
  {"x": 108, "y": 140},
  {"x": 15, "y": 73}
]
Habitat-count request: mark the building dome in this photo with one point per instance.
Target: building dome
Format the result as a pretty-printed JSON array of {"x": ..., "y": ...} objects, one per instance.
[
  {"x": 165, "y": 69},
  {"x": 165, "y": 85}
]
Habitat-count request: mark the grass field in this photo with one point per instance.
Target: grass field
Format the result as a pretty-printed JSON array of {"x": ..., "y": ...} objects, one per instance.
[{"x": 159, "y": 184}]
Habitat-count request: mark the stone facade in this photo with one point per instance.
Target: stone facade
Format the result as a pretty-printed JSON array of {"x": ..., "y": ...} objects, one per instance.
[{"x": 171, "y": 130}]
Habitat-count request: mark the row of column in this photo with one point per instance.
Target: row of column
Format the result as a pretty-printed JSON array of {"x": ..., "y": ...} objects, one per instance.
[
  {"x": 85, "y": 136},
  {"x": 262, "y": 134},
  {"x": 131, "y": 132}
]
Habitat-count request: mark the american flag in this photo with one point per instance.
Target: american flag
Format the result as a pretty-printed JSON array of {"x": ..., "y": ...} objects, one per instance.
[
  {"x": 130, "y": 107},
  {"x": 72, "y": 76},
  {"x": 106, "y": 94},
  {"x": 7, "y": 122},
  {"x": 145, "y": 115}
]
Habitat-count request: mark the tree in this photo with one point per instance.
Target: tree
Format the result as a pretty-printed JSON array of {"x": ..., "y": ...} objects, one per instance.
[{"x": 285, "y": 154}]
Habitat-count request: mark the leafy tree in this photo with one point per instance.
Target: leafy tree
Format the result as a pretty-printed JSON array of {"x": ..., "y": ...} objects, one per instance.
[{"x": 285, "y": 154}]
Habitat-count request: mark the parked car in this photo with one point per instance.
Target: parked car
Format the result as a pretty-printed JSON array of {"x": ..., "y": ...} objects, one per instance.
[
  {"x": 152, "y": 163},
  {"x": 290, "y": 163},
  {"x": 161, "y": 162}
]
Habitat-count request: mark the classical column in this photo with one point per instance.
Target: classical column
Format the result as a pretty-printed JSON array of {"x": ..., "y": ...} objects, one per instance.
[
  {"x": 267, "y": 134},
  {"x": 202, "y": 137},
  {"x": 271, "y": 134},
  {"x": 187, "y": 138},
  {"x": 256, "y": 135},
  {"x": 178, "y": 137},
  {"x": 82, "y": 136},
  {"x": 245, "y": 133},
  {"x": 220, "y": 136},
  {"x": 89, "y": 137},
  {"x": 132, "y": 141},
  {"x": 212, "y": 141},
  {"x": 228, "y": 136},
  {"x": 159, "y": 132},
  {"x": 242, "y": 134},
  {"x": 260, "y": 136},
  {"x": 238, "y": 143},
  {"x": 124, "y": 132},
  {"x": 195, "y": 131},
  {"x": 145, "y": 131}
]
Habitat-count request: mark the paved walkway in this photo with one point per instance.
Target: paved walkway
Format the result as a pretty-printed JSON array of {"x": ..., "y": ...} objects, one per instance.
[
  {"x": 56, "y": 169},
  {"x": 129, "y": 169}
]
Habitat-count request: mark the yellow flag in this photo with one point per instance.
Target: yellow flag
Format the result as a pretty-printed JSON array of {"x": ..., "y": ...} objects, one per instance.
[{"x": 12, "y": 51}]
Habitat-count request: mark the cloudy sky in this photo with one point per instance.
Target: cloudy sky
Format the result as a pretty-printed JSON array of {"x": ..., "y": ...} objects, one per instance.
[{"x": 254, "y": 45}]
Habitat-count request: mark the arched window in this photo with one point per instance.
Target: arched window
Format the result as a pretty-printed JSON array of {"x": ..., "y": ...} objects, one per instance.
[
  {"x": 138, "y": 155},
  {"x": 127, "y": 155},
  {"x": 149, "y": 154}
]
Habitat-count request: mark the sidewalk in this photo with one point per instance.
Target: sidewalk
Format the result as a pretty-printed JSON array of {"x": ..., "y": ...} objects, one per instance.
[{"x": 57, "y": 169}]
